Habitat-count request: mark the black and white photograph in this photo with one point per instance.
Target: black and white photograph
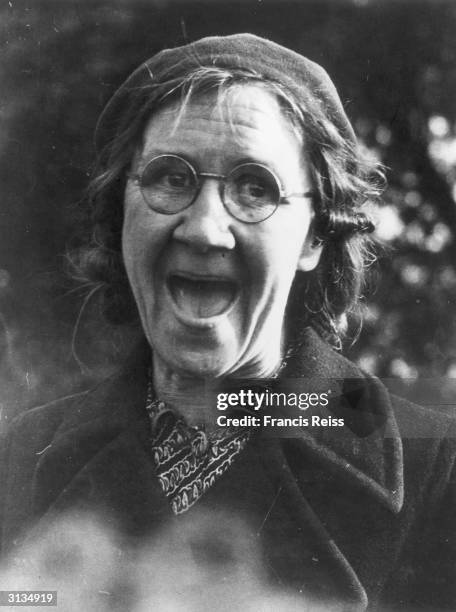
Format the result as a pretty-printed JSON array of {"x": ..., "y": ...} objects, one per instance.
[{"x": 228, "y": 305}]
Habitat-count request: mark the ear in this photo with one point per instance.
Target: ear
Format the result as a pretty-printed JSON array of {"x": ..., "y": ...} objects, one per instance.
[{"x": 310, "y": 254}]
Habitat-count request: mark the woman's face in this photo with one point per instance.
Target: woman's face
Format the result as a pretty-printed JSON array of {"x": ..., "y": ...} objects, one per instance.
[{"x": 212, "y": 290}]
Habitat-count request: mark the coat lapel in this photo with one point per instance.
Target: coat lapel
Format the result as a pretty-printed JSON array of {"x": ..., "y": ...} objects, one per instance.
[
  {"x": 367, "y": 452},
  {"x": 98, "y": 459}
]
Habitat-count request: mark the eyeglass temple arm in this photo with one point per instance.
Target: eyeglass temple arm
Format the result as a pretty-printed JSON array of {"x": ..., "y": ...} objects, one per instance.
[
  {"x": 134, "y": 176},
  {"x": 305, "y": 194}
]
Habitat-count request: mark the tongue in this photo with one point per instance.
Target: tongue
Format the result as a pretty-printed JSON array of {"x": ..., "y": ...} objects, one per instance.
[{"x": 201, "y": 298}]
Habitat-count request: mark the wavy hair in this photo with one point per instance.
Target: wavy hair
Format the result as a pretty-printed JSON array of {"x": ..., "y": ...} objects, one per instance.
[{"x": 347, "y": 187}]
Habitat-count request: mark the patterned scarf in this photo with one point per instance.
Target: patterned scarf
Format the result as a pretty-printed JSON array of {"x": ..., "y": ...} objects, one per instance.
[{"x": 188, "y": 460}]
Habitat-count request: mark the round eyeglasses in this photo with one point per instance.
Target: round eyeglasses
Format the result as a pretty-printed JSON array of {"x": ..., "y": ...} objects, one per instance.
[{"x": 250, "y": 193}]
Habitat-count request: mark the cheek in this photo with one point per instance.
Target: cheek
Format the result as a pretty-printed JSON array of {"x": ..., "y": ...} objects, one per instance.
[
  {"x": 134, "y": 245},
  {"x": 143, "y": 236},
  {"x": 277, "y": 249}
]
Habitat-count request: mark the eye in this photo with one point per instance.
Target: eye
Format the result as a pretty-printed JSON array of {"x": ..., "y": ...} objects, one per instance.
[
  {"x": 167, "y": 173},
  {"x": 178, "y": 181},
  {"x": 253, "y": 185}
]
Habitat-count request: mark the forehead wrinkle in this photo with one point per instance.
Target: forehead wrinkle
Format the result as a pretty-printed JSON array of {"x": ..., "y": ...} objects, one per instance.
[
  {"x": 215, "y": 126},
  {"x": 227, "y": 105},
  {"x": 217, "y": 115},
  {"x": 182, "y": 143},
  {"x": 249, "y": 122},
  {"x": 230, "y": 100},
  {"x": 232, "y": 117}
]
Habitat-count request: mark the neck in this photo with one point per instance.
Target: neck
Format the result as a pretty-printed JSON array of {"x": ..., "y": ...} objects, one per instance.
[
  {"x": 194, "y": 397},
  {"x": 190, "y": 396}
]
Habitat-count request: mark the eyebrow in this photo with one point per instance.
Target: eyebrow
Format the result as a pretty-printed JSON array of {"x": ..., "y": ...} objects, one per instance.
[
  {"x": 145, "y": 159},
  {"x": 151, "y": 154}
]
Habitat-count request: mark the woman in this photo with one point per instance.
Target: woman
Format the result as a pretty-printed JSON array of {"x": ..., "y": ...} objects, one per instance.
[{"x": 231, "y": 213}]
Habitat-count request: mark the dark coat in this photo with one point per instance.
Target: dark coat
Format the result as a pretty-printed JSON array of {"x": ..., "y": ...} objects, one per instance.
[{"x": 363, "y": 514}]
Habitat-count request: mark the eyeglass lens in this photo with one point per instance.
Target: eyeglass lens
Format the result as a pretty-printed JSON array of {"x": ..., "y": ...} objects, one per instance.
[{"x": 250, "y": 192}]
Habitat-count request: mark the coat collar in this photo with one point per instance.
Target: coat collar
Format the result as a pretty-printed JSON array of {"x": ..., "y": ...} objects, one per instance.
[{"x": 367, "y": 452}]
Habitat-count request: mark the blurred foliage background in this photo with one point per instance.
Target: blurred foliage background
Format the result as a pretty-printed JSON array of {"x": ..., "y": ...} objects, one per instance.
[{"x": 394, "y": 64}]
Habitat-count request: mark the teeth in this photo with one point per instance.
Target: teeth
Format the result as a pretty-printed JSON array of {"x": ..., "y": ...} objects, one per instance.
[{"x": 202, "y": 299}]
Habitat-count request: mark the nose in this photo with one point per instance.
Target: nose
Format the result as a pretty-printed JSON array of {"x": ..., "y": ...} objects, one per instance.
[{"x": 206, "y": 224}]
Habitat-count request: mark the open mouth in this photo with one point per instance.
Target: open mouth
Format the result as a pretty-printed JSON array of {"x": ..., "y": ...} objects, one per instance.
[{"x": 201, "y": 297}]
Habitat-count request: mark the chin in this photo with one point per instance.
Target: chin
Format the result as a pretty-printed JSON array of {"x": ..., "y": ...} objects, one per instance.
[
  {"x": 198, "y": 351},
  {"x": 205, "y": 364}
]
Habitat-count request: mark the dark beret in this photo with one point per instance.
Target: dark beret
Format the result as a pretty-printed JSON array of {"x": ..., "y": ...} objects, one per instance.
[{"x": 268, "y": 59}]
